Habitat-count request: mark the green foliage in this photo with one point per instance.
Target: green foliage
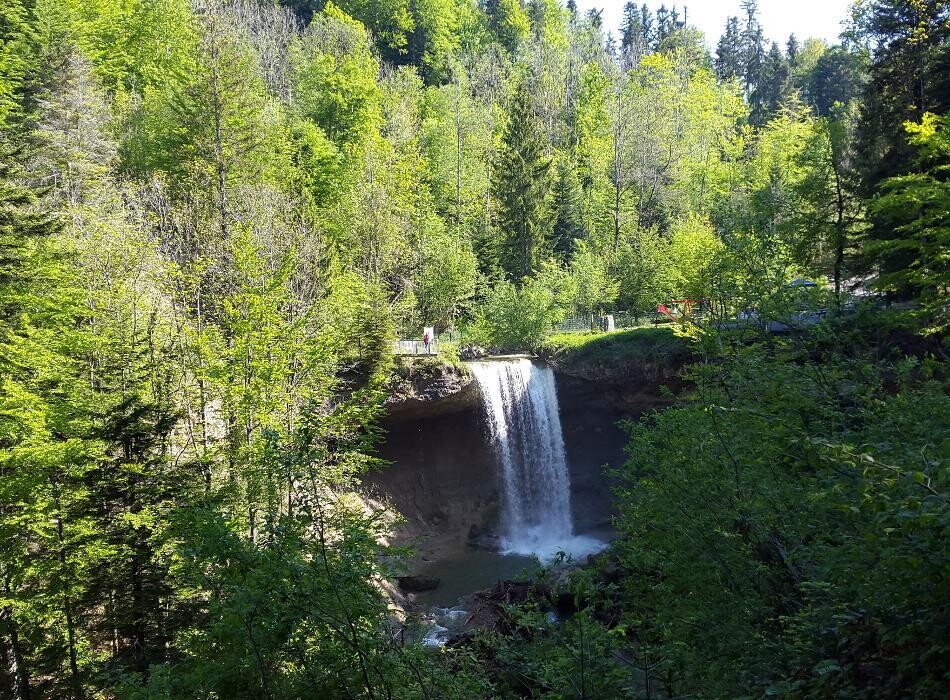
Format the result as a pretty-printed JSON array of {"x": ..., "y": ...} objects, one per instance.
[
  {"x": 133, "y": 45},
  {"x": 455, "y": 140},
  {"x": 594, "y": 289},
  {"x": 335, "y": 77},
  {"x": 649, "y": 345},
  {"x": 509, "y": 22},
  {"x": 519, "y": 318},
  {"x": 917, "y": 209},
  {"x": 645, "y": 276},
  {"x": 550, "y": 658},
  {"x": 318, "y": 162},
  {"x": 521, "y": 187},
  {"x": 693, "y": 248},
  {"x": 774, "y": 528},
  {"x": 306, "y": 643},
  {"x": 390, "y": 21},
  {"x": 569, "y": 226},
  {"x": 16, "y": 43},
  {"x": 216, "y": 217},
  {"x": 436, "y": 40},
  {"x": 21, "y": 223},
  {"x": 447, "y": 283},
  {"x": 908, "y": 77},
  {"x": 836, "y": 78}
]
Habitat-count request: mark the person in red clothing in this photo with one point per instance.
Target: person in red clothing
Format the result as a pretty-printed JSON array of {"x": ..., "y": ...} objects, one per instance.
[{"x": 426, "y": 340}]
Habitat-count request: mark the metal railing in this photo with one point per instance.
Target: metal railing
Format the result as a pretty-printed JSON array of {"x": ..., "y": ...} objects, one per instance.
[
  {"x": 622, "y": 320},
  {"x": 415, "y": 347}
]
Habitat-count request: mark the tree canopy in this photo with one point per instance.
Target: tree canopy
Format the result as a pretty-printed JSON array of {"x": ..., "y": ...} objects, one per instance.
[{"x": 215, "y": 218}]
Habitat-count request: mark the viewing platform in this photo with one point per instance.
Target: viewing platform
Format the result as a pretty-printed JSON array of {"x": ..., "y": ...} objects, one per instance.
[{"x": 415, "y": 348}]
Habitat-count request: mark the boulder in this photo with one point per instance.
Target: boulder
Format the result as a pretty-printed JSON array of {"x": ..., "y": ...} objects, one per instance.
[
  {"x": 417, "y": 584},
  {"x": 472, "y": 352},
  {"x": 483, "y": 538}
]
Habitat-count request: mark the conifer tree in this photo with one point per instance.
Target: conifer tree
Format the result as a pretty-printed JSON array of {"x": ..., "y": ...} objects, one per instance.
[
  {"x": 648, "y": 24},
  {"x": 728, "y": 52},
  {"x": 664, "y": 25},
  {"x": 596, "y": 18},
  {"x": 632, "y": 39},
  {"x": 572, "y": 10},
  {"x": 909, "y": 77},
  {"x": 916, "y": 207},
  {"x": 509, "y": 21},
  {"x": 22, "y": 224},
  {"x": 49, "y": 448},
  {"x": 775, "y": 82},
  {"x": 752, "y": 48},
  {"x": 792, "y": 51},
  {"x": 17, "y": 58},
  {"x": 837, "y": 78},
  {"x": 521, "y": 187},
  {"x": 569, "y": 210}
]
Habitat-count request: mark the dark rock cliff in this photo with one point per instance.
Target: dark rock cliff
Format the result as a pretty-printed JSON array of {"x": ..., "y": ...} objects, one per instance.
[
  {"x": 634, "y": 386},
  {"x": 427, "y": 388},
  {"x": 443, "y": 477}
]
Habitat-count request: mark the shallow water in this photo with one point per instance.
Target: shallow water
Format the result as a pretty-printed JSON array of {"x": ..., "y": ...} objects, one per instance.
[
  {"x": 464, "y": 572},
  {"x": 536, "y": 542}
]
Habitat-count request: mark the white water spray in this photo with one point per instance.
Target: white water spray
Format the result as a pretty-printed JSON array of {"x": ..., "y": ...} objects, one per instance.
[{"x": 521, "y": 409}]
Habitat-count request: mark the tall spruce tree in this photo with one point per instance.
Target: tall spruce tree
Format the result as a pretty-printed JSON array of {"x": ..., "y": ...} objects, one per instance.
[
  {"x": 729, "y": 62},
  {"x": 664, "y": 25},
  {"x": 775, "y": 83},
  {"x": 752, "y": 43},
  {"x": 909, "y": 77},
  {"x": 521, "y": 186},
  {"x": 792, "y": 51},
  {"x": 569, "y": 210},
  {"x": 648, "y": 23},
  {"x": 838, "y": 77},
  {"x": 22, "y": 224},
  {"x": 633, "y": 40}
]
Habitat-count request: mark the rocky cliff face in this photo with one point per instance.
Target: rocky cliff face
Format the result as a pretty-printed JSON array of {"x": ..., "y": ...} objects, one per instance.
[
  {"x": 633, "y": 387},
  {"x": 427, "y": 388},
  {"x": 443, "y": 477},
  {"x": 641, "y": 375}
]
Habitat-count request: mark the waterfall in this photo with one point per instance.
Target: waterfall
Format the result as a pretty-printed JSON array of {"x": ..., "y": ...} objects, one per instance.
[{"x": 521, "y": 410}]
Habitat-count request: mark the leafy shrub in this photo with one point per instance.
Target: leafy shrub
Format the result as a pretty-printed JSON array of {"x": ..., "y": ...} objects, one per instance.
[
  {"x": 783, "y": 532},
  {"x": 520, "y": 317}
]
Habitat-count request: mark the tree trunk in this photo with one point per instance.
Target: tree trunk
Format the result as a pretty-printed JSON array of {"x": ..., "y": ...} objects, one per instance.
[
  {"x": 840, "y": 232},
  {"x": 19, "y": 679},
  {"x": 70, "y": 623},
  {"x": 617, "y": 168},
  {"x": 138, "y": 613},
  {"x": 217, "y": 108},
  {"x": 458, "y": 156}
]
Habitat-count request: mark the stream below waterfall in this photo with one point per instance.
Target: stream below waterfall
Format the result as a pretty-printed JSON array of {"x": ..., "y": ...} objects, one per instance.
[
  {"x": 508, "y": 476},
  {"x": 521, "y": 416}
]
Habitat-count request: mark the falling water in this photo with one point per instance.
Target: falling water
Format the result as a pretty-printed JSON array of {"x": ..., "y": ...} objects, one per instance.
[{"x": 521, "y": 409}]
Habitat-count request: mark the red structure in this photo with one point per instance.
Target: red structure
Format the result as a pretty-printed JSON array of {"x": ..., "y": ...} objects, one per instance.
[{"x": 682, "y": 308}]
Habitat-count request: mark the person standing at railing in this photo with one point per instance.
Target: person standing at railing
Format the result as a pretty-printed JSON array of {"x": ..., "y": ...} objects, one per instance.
[{"x": 426, "y": 340}]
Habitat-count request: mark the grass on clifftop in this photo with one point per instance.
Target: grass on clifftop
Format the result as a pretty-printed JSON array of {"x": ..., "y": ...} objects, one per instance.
[
  {"x": 619, "y": 346},
  {"x": 416, "y": 366}
]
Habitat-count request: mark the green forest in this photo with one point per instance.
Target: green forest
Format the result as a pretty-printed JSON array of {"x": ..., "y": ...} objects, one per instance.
[{"x": 216, "y": 216}]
